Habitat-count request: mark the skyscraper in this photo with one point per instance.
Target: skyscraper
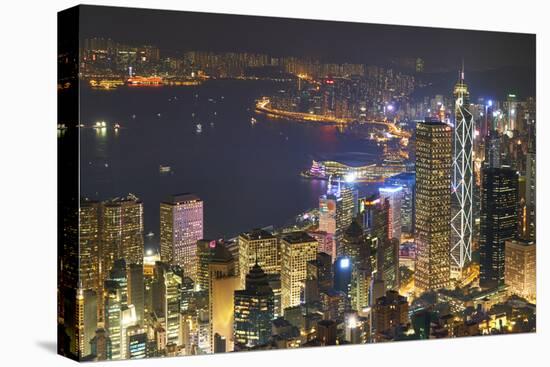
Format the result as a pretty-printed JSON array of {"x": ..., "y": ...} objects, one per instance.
[
  {"x": 463, "y": 183},
  {"x": 136, "y": 290},
  {"x": 520, "y": 266},
  {"x": 433, "y": 205},
  {"x": 113, "y": 317},
  {"x": 254, "y": 309},
  {"x": 297, "y": 248},
  {"x": 121, "y": 232},
  {"x": 258, "y": 246},
  {"x": 89, "y": 245},
  {"x": 172, "y": 288},
  {"x": 336, "y": 210},
  {"x": 407, "y": 180},
  {"x": 498, "y": 222},
  {"x": 181, "y": 226},
  {"x": 394, "y": 194}
]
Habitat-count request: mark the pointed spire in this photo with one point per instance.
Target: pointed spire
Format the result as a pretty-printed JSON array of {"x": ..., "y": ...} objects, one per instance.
[{"x": 462, "y": 71}]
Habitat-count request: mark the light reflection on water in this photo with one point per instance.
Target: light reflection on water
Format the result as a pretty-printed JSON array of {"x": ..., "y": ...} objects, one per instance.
[{"x": 247, "y": 174}]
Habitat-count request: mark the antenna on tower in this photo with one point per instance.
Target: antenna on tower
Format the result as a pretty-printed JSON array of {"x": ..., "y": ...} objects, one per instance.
[{"x": 462, "y": 70}]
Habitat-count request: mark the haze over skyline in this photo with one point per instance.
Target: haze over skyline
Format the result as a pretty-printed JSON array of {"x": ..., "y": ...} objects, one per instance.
[{"x": 330, "y": 41}]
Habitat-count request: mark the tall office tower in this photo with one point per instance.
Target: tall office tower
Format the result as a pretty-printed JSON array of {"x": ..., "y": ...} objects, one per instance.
[
  {"x": 258, "y": 246},
  {"x": 336, "y": 210},
  {"x": 499, "y": 201},
  {"x": 121, "y": 232},
  {"x": 492, "y": 149},
  {"x": 113, "y": 317},
  {"x": 297, "y": 248},
  {"x": 361, "y": 287},
  {"x": 511, "y": 109},
  {"x": 326, "y": 242},
  {"x": 129, "y": 319},
  {"x": 343, "y": 271},
  {"x": 367, "y": 211},
  {"x": 394, "y": 195},
  {"x": 216, "y": 276},
  {"x": 172, "y": 287},
  {"x": 213, "y": 257},
  {"x": 136, "y": 290},
  {"x": 254, "y": 310},
  {"x": 463, "y": 178},
  {"x": 318, "y": 277},
  {"x": 390, "y": 311},
  {"x": 520, "y": 266},
  {"x": 530, "y": 194},
  {"x": 433, "y": 206},
  {"x": 136, "y": 339},
  {"x": 118, "y": 274},
  {"x": 353, "y": 244},
  {"x": 86, "y": 302},
  {"x": 384, "y": 250},
  {"x": 181, "y": 226},
  {"x": 407, "y": 180},
  {"x": 101, "y": 345},
  {"x": 89, "y": 245}
]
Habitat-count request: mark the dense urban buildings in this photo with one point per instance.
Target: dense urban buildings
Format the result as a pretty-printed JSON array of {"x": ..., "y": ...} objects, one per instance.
[{"x": 328, "y": 200}]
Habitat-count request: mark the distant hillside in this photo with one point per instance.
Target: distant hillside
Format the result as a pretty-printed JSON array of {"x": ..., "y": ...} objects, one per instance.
[{"x": 489, "y": 83}]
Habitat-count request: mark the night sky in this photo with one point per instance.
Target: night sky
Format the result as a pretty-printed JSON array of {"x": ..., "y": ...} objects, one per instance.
[{"x": 442, "y": 49}]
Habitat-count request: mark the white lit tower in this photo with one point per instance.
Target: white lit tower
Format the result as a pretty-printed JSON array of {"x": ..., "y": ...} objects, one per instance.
[{"x": 462, "y": 184}]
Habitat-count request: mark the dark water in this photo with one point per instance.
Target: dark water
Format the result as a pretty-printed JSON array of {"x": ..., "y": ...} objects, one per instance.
[{"x": 247, "y": 175}]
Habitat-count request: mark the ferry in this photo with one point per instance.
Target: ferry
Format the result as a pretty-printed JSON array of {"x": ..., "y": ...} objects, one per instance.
[
  {"x": 143, "y": 81},
  {"x": 165, "y": 169}
]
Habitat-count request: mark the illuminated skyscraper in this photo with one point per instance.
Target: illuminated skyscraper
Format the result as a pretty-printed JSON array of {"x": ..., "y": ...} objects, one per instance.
[
  {"x": 297, "y": 248},
  {"x": 520, "y": 265},
  {"x": 258, "y": 246},
  {"x": 181, "y": 226},
  {"x": 463, "y": 183},
  {"x": 86, "y": 302},
  {"x": 254, "y": 310},
  {"x": 407, "y": 180},
  {"x": 498, "y": 222},
  {"x": 394, "y": 194},
  {"x": 89, "y": 245},
  {"x": 113, "y": 317},
  {"x": 121, "y": 232},
  {"x": 136, "y": 339},
  {"x": 172, "y": 288},
  {"x": 337, "y": 209},
  {"x": 216, "y": 275},
  {"x": 136, "y": 289},
  {"x": 433, "y": 205}
]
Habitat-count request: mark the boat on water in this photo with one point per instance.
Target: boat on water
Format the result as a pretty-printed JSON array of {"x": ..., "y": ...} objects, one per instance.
[
  {"x": 198, "y": 128},
  {"x": 165, "y": 169},
  {"x": 117, "y": 126},
  {"x": 100, "y": 125},
  {"x": 253, "y": 121}
]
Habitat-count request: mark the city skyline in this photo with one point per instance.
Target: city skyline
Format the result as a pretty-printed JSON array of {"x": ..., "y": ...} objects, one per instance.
[{"x": 238, "y": 193}]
